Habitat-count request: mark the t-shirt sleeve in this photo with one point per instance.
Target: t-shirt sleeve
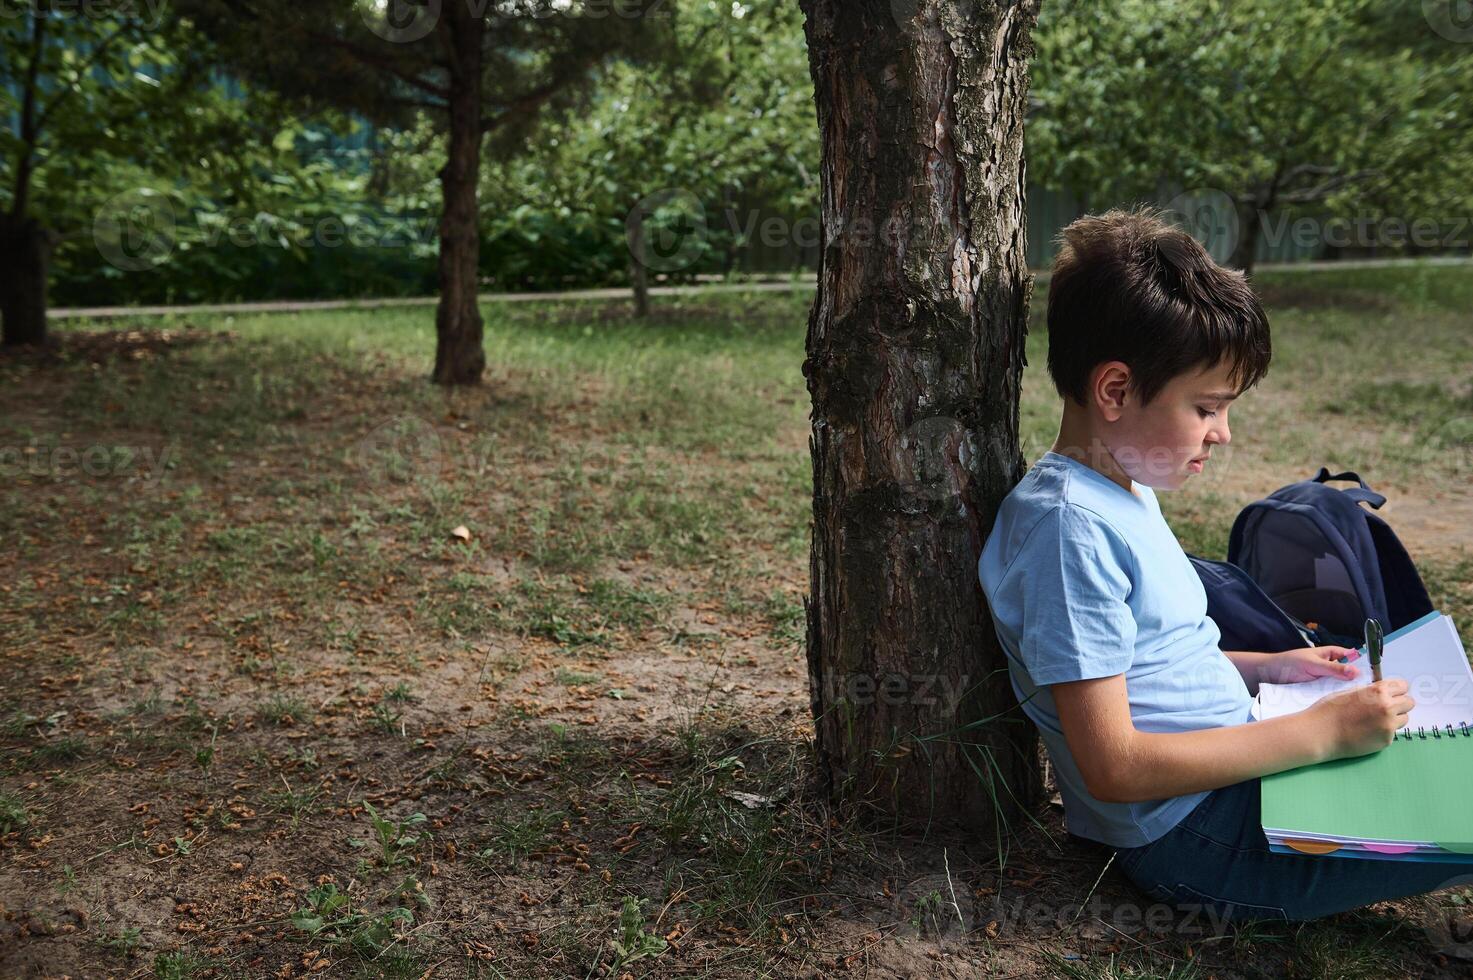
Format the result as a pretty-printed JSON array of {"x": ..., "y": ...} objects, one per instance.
[{"x": 1076, "y": 581}]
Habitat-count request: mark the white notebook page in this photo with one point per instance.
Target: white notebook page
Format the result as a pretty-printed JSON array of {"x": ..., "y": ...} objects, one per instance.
[{"x": 1430, "y": 659}]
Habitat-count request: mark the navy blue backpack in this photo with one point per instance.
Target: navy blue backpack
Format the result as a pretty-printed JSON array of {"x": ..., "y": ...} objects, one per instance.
[{"x": 1307, "y": 566}]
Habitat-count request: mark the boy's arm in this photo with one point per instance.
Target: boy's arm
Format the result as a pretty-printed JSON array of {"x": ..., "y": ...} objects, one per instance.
[{"x": 1121, "y": 764}]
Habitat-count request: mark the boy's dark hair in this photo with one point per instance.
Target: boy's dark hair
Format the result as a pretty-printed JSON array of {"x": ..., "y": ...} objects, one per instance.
[{"x": 1130, "y": 286}]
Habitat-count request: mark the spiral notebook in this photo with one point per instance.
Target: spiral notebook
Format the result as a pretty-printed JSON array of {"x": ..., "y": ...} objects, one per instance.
[{"x": 1411, "y": 800}]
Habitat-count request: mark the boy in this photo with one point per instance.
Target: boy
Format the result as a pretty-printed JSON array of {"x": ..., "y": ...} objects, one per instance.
[{"x": 1104, "y": 620}]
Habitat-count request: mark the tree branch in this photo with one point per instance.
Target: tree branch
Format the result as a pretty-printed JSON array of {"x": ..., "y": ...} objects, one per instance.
[
  {"x": 28, "y": 126},
  {"x": 523, "y": 104},
  {"x": 416, "y": 103},
  {"x": 371, "y": 60},
  {"x": 61, "y": 96},
  {"x": 1322, "y": 190}
]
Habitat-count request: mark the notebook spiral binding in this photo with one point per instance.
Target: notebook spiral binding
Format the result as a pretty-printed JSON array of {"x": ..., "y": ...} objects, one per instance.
[{"x": 1422, "y": 732}]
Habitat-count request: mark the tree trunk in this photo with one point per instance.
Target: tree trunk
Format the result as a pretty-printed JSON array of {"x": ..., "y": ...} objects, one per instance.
[
  {"x": 25, "y": 253},
  {"x": 1245, "y": 249},
  {"x": 915, "y": 355},
  {"x": 638, "y": 274},
  {"x": 459, "y": 355}
]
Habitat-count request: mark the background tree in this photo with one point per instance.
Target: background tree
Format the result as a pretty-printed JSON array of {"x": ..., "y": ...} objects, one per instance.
[
  {"x": 915, "y": 355},
  {"x": 1330, "y": 106},
  {"x": 674, "y": 151},
  {"x": 95, "y": 95},
  {"x": 479, "y": 70}
]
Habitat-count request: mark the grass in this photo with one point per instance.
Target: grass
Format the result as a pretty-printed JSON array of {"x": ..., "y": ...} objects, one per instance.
[
  {"x": 282, "y": 709},
  {"x": 260, "y": 633},
  {"x": 13, "y": 813}
]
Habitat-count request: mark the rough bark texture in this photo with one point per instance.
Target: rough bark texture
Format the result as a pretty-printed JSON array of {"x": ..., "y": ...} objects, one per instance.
[
  {"x": 25, "y": 251},
  {"x": 915, "y": 356},
  {"x": 638, "y": 275},
  {"x": 459, "y": 356},
  {"x": 1245, "y": 248}
]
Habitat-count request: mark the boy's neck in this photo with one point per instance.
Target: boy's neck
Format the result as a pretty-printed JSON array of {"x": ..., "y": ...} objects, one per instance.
[{"x": 1076, "y": 441}]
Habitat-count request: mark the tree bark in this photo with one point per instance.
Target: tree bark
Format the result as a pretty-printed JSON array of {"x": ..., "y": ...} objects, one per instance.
[
  {"x": 915, "y": 355},
  {"x": 25, "y": 254},
  {"x": 459, "y": 355},
  {"x": 1245, "y": 249},
  {"x": 639, "y": 276}
]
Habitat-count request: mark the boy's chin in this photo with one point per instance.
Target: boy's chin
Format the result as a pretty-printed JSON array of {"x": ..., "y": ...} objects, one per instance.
[{"x": 1175, "y": 481}]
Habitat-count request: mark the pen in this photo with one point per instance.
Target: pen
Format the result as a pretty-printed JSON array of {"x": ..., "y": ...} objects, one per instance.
[{"x": 1373, "y": 648}]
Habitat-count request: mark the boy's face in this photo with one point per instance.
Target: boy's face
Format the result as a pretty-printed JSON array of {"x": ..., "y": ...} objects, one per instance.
[{"x": 1164, "y": 444}]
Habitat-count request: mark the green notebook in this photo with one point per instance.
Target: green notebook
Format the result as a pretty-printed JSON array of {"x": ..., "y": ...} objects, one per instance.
[{"x": 1412, "y": 799}]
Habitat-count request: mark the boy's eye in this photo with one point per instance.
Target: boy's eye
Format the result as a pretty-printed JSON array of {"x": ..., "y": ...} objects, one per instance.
[{"x": 1205, "y": 414}]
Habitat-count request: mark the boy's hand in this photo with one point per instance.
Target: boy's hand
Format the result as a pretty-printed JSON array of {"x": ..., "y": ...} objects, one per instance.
[
  {"x": 1307, "y": 663},
  {"x": 1364, "y": 718}
]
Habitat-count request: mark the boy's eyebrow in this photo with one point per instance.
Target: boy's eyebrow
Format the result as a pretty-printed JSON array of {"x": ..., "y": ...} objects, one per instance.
[{"x": 1222, "y": 396}]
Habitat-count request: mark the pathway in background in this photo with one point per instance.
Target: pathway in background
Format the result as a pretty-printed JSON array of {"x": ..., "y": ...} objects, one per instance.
[
  {"x": 300, "y": 306},
  {"x": 615, "y": 292}
]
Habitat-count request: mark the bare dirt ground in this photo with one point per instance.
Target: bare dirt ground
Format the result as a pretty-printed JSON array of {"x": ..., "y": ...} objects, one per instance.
[{"x": 196, "y": 740}]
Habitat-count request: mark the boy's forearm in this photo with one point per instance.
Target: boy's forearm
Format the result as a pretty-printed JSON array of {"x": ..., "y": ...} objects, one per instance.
[
  {"x": 1247, "y": 663},
  {"x": 1164, "y": 764}
]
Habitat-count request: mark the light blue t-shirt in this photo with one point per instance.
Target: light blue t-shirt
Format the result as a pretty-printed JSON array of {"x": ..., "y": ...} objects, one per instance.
[{"x": 1086, "y": 579}]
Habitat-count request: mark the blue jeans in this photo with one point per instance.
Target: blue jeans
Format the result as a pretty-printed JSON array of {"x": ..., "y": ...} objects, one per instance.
[{"x": 1217, "y": 859}]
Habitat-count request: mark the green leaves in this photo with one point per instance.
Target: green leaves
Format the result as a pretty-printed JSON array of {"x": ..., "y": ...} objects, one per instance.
[
  {"x": 324, "y": 903},
  {"x": 634, "y": 940},
  {"x": 329, "y": 917},
  {"x": 725, "y": 118},
  {"x": 394, "y": 838},
  {"x": 1246, "y": 97}
]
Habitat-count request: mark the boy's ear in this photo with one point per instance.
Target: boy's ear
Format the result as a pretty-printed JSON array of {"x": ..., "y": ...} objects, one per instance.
[{"x": 1111, "y": 388}]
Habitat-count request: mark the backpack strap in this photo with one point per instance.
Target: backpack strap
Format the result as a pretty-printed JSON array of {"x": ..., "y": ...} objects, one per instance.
[{"x": 1365, "y": 494}]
